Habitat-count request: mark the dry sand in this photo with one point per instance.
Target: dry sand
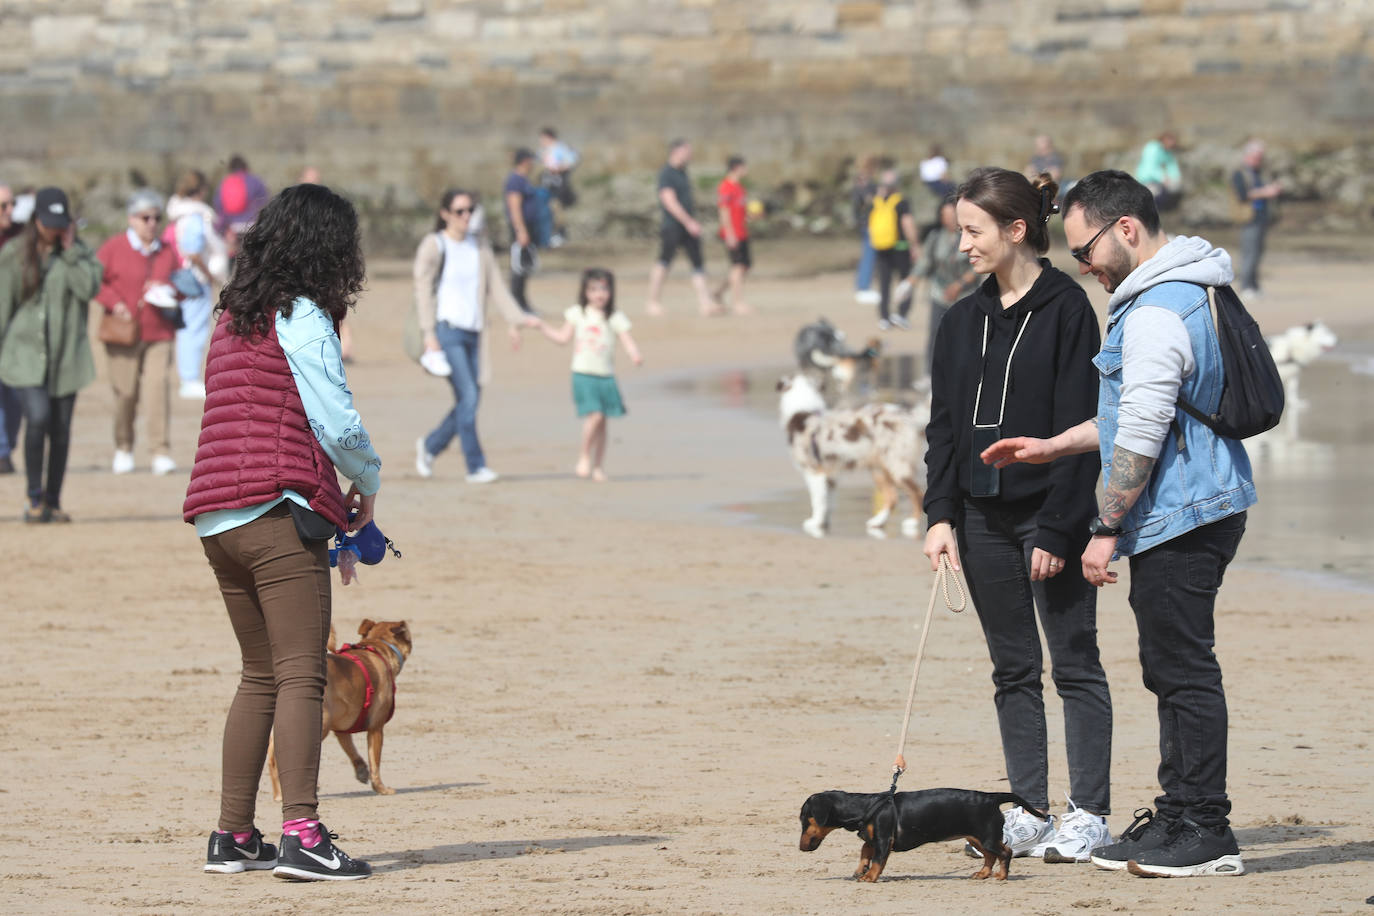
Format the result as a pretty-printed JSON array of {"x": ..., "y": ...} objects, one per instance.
[{"x": 621, "y": 694}]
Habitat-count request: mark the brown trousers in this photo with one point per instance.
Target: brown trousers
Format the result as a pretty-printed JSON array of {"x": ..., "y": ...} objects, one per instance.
[
  {"x": 276, "y": 590},
  {"x": 146, "y": 365}
]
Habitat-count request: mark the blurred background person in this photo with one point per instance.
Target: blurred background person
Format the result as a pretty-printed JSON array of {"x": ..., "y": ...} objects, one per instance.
[
  {"x": 523, "y": 218},
  {"x": 934, "y": 171},
  {"x": 47, "y": 279},
  {"x": 1257, "y": 199},
  {"x": 558, "y": 160},
  {"x": 892, "y": 233},
  {"x": 949, "y": 276},
  {"x": 732, "y": 204},
  {"x": 240, "y": 196},
  {"x": 678, "y": 228},
  {"x": 203, "y": 264},
  {"x": 9, "y": 404},
  {"x": 1158, "y": 170},
  {"x": 1045, "y": 159},
  {"x": 135, "y": 262},
  {"x": 861, "y": 192}
]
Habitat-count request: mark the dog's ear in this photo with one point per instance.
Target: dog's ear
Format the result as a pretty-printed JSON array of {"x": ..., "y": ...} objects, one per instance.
[
  {"x": 402, "y": 631},
  {"x": 366, "y": 625}
]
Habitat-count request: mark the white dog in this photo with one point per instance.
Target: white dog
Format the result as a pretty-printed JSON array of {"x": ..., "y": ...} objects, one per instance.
[
  {"x": 1296, "y": 348},
  {"x": 888, "y": 439}
]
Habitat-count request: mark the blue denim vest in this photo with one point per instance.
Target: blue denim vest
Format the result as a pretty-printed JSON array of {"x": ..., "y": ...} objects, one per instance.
[{"x": 1205, "y": 478}]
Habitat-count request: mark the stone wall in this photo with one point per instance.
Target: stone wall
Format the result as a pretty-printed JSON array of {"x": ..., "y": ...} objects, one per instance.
[{"x": 395, "y": 99}]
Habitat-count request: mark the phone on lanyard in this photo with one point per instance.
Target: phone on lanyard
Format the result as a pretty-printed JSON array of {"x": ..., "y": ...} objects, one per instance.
[{"x": 984, "y": 479}]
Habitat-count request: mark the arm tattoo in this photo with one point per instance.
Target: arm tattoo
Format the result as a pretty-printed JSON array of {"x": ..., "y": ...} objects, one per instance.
[{"x": 1130, "y": 474}]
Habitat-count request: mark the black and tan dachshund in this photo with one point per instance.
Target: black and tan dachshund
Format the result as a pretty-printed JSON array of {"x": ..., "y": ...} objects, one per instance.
[{"x": 888, "y": 823}]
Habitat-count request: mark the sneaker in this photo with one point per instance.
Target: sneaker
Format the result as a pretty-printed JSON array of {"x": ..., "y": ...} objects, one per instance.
[
  {"x": 322, "y": 862},
  {"x": 1076, "y": 835},
  {"x": 192, "y": 391},
  {"x": 884, "y": 324},
  {"x": 35, "y": 515},
  {"x": 483, "y": 475},
  {"x": 1147, "y": 831},
  {"x": 57, "y": 516},
  {"x": 163, "y": 465},
  {"x": 226, "y": 857},
  {"x": 436, "y": 363},
  {"x": 867, "y": 297},
  {"x": 1190, "y": 851},
  {"x": 424, "y": 461},
  {"x": 900, "y": 322},
  {"x": 123, "y": 462},
  {"x": 1021, "y": 830}
]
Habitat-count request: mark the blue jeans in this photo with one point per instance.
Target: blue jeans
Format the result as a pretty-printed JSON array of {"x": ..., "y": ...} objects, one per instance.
[
  {"x": 48, "y": 424},
  {"x": 1174, "y": 594},
  {"x": 193, "y": 338},
  {"x": 462, "y": 348},
  {"x": 995, "y": 542},
  {"x": 863, "y": 277},
  {"x": 10, "y": 415}
]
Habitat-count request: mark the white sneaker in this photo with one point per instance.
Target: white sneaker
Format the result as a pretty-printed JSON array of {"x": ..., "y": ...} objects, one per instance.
[
  {"x": 435, "y": 362},
  {"x": 1077, "y": 834},
  {"x": 483, "y": 475},
  {"x": 424, "y": 461},
  {"x": 192, "y": 391},
  {"x": 868, "y": 297},
  {"x": 1023, "y": 831},
  {"x": 884, "y": 324},
  {"x": 123, "y": 462},
  {"x": 163, "y": 465},
  {"x": 899, "y": 322}
]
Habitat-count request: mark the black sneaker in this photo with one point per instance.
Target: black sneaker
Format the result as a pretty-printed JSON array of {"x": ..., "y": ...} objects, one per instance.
[
  {"x": 1147, "y": 831},
  {"x": 1191, "y": 851},
  {"x": 322, "y": 862},
  {"x": 229, "y": 858}
]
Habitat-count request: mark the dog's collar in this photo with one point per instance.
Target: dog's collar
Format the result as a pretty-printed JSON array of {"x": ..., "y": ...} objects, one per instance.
[{"x": 400, "y": 659}]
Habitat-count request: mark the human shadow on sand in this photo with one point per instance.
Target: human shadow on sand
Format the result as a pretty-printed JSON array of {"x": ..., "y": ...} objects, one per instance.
[
  {"x": 614, "y": 478},
  {"x": 1309, "y": 856},
  {"x": 406, "y": 790},
  {"x": 506, "y": 849}
]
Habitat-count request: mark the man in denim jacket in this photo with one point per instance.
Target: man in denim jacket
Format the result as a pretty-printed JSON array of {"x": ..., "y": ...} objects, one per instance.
[{"x": 1175, "y": 500}]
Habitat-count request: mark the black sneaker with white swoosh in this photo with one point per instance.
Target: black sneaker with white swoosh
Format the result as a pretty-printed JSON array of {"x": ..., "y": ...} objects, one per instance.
[
  {"x": 322, "y": 862},
  {"x": 226, "y": 857}
]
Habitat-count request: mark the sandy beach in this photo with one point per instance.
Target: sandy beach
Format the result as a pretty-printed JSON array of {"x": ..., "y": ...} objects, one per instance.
[{"x": 621, "y": 694}]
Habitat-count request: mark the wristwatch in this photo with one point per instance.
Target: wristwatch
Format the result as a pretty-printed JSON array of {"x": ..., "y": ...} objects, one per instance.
[{"x": 1100, "y": 529}]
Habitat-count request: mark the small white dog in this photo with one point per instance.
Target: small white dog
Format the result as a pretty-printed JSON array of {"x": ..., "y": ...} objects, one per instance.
[
  {"x": 888, "y": 439},
  {"x": 1295, "y": 348}
]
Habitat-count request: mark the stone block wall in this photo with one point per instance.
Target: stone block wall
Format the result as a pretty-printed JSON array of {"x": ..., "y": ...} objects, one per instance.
[{"x": 395, "y": 99}]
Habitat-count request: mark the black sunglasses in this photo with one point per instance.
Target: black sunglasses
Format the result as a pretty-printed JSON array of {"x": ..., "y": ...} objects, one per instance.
[
  {"x": 1084, "y": 255},
  {"x": 148, "y": 217},
  {"x": 461, "y": 211}
]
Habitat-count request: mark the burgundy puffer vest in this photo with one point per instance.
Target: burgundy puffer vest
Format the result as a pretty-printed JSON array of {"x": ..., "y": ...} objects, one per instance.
[{"x": 255, "y": 439}]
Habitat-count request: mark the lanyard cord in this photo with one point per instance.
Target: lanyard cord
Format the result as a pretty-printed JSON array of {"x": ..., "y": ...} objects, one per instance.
[{"x": 1006, "y": 375}]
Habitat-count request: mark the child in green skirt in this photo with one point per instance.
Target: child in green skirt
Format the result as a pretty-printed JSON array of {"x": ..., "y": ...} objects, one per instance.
[{"x": 593, "y": 325}]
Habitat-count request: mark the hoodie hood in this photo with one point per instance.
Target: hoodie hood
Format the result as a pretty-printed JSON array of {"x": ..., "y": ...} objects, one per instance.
[
  {"x": 1183, "y": 259},
  {"x": 1047, "y": 287}
]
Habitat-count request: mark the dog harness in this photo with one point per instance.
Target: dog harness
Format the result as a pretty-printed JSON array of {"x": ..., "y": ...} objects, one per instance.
[{"x": 344, "y": 652}]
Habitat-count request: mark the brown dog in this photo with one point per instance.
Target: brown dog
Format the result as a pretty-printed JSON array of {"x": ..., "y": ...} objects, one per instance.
[{"x": 373, "y": 661}]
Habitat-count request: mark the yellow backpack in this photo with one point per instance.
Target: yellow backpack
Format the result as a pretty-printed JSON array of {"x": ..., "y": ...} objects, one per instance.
[{"x": 883, "y": 231}]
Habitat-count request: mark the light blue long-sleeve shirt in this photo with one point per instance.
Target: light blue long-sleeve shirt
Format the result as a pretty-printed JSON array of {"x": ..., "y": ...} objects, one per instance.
[{"x": 312, "y": 350}]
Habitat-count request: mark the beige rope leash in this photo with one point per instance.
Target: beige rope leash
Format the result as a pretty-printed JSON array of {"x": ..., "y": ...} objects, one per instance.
[{"x": 943, "y": 576}]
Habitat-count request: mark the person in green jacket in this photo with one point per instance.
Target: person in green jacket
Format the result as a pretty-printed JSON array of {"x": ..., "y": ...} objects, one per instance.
[
  {"x": 47, "y": 280},
  {"x": 1158, "y": 170}
]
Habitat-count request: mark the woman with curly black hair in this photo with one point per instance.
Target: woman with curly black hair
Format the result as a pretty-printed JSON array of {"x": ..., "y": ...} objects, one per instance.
[{"x": 264, "y": 497}]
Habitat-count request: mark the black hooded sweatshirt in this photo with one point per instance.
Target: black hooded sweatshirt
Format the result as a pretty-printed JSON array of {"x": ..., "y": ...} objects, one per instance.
[{"x": 1053, "y": 386}]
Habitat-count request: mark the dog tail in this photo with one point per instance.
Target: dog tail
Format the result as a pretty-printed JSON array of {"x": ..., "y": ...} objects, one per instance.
[{"x": 1003, "y": 797}]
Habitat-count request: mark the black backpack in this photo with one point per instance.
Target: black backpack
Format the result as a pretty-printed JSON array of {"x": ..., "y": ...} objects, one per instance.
[{"x": 1252, "y": 396}]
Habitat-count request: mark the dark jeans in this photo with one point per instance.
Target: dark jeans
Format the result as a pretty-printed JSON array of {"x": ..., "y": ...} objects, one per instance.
[
  {"x": 1174, "y": 593},
  {"x": 48, "y": 420},
  {"x": 462, "y": 348},
  {"x": 10, "y": 415},
  {"x": 892, "y": 262},
  {"x": 995, "y": 542},
  {"x": 1252, "y": 250}
]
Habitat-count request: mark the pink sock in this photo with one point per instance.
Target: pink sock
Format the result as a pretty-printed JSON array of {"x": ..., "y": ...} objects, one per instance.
[
  {"x": 239, "y": 838},
  {"x": 305, "y": 828}
]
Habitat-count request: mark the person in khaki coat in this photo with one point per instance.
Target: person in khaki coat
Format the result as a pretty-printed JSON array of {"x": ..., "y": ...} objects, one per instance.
[
  {"x": 47, "y": 277},
  {"x": 457, "y": 281}
]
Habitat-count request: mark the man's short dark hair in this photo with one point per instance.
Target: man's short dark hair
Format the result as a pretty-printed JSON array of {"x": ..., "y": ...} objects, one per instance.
[
  {"x": 733, "y": 163},
  {"x": 1110, "y": 194},
  {"x": 548, "y": 132},
  {"x": 676, "y": 143},
  {"x": 522, "y": 155}
]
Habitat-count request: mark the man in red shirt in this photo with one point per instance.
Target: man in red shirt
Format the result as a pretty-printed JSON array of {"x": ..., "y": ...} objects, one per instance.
[{"x": 733, "y": 204}]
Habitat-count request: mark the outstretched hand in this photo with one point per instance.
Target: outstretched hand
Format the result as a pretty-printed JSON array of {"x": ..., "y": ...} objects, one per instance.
[{"x": 1018, "y": 449}]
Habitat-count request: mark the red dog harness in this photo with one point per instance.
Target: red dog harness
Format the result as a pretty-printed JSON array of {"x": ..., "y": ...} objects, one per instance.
[{"x": 361, "y": 723}]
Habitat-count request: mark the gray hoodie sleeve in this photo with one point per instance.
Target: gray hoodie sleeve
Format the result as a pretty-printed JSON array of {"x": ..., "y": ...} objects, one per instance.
[{"x": 1156, "y": 356}]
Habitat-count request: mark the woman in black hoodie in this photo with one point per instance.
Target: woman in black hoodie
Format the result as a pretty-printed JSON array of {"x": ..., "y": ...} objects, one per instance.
[{"x": 1012, "y": 357}]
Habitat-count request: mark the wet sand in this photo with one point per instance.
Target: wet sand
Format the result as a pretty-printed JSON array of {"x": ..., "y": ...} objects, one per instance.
[{"x": 621, "y": 694}]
